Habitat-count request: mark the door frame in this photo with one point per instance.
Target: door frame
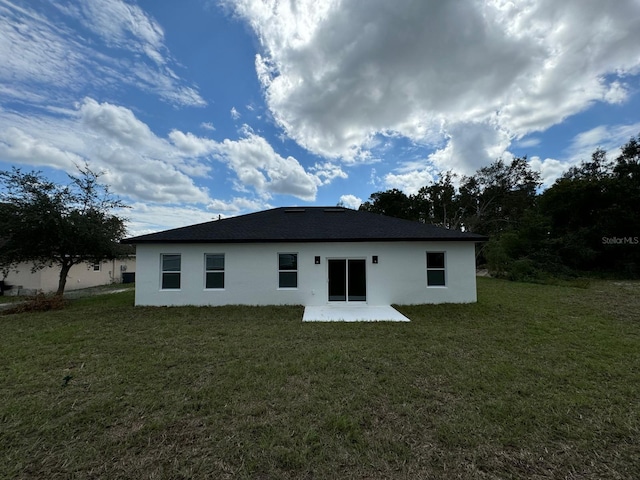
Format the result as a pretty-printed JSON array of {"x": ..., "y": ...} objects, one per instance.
[{"x": 346, "y": 279}]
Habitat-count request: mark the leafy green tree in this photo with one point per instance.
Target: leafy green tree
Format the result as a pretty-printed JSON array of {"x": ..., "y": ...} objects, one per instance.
[
  {"x": 525, "y": 253},
  {"x": 577, "y": 205},
  {"x": 593, "y": 206},
  {"x": 393, "y": 203},
  {"x": 598, "y": 168},
  {"x": 624, "y": 213},
  {"x": 438, "y": 203},
  {"x": 496, "y": 197},
  {"x": 48, "y": 224},
  {"x": 626, "y": 174}
]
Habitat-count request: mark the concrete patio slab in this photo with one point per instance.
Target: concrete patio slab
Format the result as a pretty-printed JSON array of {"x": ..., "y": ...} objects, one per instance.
[{"x": 352, "y": 313}]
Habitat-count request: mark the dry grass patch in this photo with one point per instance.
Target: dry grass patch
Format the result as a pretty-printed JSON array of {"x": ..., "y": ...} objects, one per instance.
[{"x": 36, "y": 303}]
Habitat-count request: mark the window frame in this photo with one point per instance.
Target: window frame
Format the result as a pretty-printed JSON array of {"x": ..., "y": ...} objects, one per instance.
[
  {"x": 96, "y": 267},
  {"x": 164, "y": 272},
  {"x": 442, "y": 269},
  {"x": 288, "y": 270},
  {"x": 207, "y": 271}
]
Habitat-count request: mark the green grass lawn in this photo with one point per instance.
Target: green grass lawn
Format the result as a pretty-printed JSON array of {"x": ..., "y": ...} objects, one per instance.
[{"x": 533, "y": 381}]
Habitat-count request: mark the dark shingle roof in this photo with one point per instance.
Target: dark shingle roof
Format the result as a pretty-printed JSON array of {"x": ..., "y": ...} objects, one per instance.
[{"x": 306, "y": 224}]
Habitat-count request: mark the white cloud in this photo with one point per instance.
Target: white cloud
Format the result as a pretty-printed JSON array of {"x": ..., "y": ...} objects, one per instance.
[
  {"x": 149, "y": 218},
  {"x": 327, "y": 172},
  {"x": 617, "y": 93},
  {"x": 257, "y": 165},
  {"x": 122, "y": 25},
  {"x": 146, "y": 167},
  {"x": 192, "y": 145},
  {"x": 374, "y": 179},
  {"x": 235, "y": 114},
  {"x": 470, "y": 146},
  {"x": 578, "y": 63},
  {"x": 121, "y": 133},
  {"x": 236, "y": 206},
  {"x": 591, "y": 139},
  {"x": 208, "y": 126},
  {"x": 22, "y": 147},
  {"x": 164, "y": 85},
  {"x": 335, "y": 73},
  {"x": 549, "y": 168},
  {"x": 351, "y": 201},
  {"x": 409, "y": 182},
  {"x": 607, "y": 137},
  {"x": 529, "y": 142},
  {"x": 138, "y": 164},
  {"x": 115, "y": 122},
  {"x": 34, "y": 51},
  {"x": 115, "y": 43}
]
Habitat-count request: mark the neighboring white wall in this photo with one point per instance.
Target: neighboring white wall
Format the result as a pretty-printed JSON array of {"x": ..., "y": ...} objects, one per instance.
[
  {"x": 251, "y": 273},
  {"x": 22, "y": 277},
  {"x": 80, "y": 276}
]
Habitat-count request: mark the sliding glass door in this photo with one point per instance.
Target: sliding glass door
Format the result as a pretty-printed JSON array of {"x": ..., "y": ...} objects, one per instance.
[{"x": 347, "y": 280}]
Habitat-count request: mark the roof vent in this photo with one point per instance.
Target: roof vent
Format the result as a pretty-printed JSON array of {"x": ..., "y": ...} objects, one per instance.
[
  {"x": 294, "y": 210},
  {"x": 334, "y": 210}
]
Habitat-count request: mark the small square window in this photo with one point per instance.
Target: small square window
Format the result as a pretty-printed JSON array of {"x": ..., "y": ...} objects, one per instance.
[
  {"x": 171, "y": 263},
  {"x": 435, "y": 277},
  {"x": 215, "y": 280},
  {"x": 170, "y": 281},
  {"x": 435, "y": 260},
  {"x": 288, "y": 279},
  {"x": 288, "y": 261}
]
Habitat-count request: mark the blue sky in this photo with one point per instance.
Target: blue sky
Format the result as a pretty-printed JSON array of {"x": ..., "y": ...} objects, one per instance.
[{"x": 205, "y": 108}]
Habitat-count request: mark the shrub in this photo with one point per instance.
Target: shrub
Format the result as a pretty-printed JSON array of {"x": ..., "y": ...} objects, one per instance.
[{"x": 38, "y": 303}]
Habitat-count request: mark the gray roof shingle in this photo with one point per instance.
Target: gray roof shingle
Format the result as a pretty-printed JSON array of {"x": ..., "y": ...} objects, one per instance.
[{"x": 306, "y": 224}]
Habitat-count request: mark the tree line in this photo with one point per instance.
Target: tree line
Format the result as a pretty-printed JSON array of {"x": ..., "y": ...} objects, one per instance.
[{"x": 587, "y": 221}]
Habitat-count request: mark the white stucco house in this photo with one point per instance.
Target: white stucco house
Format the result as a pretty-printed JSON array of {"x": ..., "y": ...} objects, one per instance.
[{"x": 311, "y": 256}]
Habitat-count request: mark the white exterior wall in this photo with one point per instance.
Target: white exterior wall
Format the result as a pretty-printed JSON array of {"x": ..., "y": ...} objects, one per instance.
[
  {"x": 251, "y": 273},
  {"x": 80, "y": 276}
]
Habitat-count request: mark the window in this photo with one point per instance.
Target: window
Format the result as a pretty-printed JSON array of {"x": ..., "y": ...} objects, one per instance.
[
  {"x": 96, "y": 267},
  {"x": 214, "y": 270},
  {"x": 170, "y": 272},
  {"x": 435, "y": 269},
  {"x": 288, "y": 270}
]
